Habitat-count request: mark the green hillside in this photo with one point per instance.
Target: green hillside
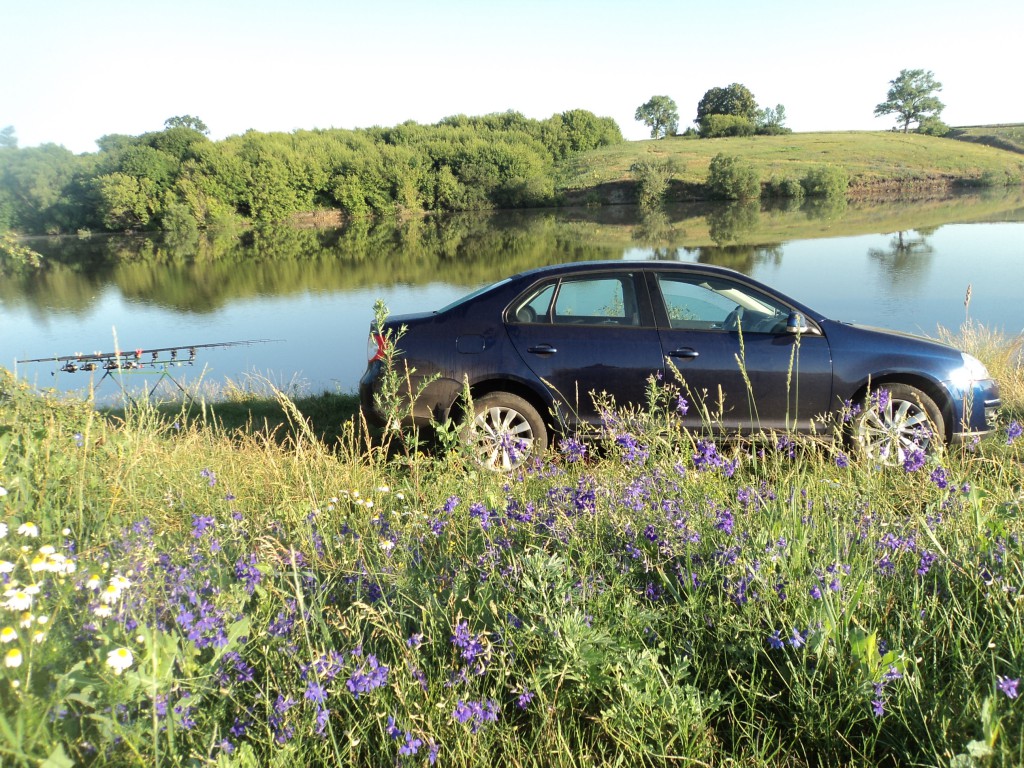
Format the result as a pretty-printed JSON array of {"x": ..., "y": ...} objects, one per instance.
[
  {"x": 873, "y": 160},
  {"x": 1009, "y": 137}
]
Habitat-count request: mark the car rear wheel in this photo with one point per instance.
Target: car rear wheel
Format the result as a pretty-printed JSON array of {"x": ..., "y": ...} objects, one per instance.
[
  {"x": 898, "y": 420},
  {"x": 505, "y": 432}
]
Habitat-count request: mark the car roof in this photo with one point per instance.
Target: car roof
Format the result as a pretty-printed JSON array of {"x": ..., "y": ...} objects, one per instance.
[{"x": 626, "y": 265}]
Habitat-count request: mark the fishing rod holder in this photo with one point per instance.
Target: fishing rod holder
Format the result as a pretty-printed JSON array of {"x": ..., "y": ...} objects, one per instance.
[{"x": 158, "y": 361}]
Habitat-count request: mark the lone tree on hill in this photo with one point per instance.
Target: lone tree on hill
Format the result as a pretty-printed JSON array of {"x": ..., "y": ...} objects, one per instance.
[
  {"x": 911, "y": 98},
  {"x": 660, "y": 115},
  {"x": 734, "y": 99}
]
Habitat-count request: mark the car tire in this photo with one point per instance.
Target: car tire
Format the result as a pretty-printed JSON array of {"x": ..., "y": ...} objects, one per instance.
[
  {"x": 908, "y": 419},
  {"x": 505, "y": 432}
]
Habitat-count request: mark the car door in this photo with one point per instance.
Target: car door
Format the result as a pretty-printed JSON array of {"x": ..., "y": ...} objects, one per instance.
[
  {"x": 588, "y": 334},
  {"x": 742, "y": 369}
]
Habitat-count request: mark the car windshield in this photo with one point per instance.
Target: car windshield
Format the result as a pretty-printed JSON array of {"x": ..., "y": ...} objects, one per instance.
[{"x": 471, "y": 296}]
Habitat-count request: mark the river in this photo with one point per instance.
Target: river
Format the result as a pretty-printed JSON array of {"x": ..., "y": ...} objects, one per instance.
[{"x": 303, "y": 299}]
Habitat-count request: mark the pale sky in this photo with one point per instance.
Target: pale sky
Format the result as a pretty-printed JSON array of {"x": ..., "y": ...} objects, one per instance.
[{"x": 72, "y": 71}]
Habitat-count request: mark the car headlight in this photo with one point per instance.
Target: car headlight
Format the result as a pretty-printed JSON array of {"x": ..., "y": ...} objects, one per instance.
[{"x": 971, "y": 371}]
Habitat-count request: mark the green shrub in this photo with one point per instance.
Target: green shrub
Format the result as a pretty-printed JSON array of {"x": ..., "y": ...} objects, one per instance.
[
  {"x": 652, "y": 179},
  {"x": 933, "y": 126},
  {"x": 826, "y": 181},
  {"x": 730, "y": 178},
  {"x": 714, "y": 126},
  {"x": 786, "y": 187}
]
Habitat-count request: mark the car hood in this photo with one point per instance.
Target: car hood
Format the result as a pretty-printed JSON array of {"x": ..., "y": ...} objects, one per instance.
[
  {"x": 891, "y": 332},
  {"x": 845, "y": 334}
]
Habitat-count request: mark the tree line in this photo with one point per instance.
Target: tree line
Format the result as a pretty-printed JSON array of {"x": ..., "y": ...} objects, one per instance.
[
  {"x": 179, "y": 180},
  {"x": 733, "y": 110}
]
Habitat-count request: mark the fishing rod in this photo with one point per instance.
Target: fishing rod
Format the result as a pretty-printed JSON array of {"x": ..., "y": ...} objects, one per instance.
[{"x": 130, "y": 360}]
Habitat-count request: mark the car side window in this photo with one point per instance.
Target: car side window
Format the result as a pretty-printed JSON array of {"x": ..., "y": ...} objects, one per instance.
[
  {"x": 599, "y": 300},
  {"x": 590, "y": 301},
  {"x": 699, "y": 302}
]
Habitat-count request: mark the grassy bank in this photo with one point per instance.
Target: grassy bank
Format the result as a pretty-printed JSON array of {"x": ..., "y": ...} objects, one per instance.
[
  {"x": 874, "y": 161},
  {"x": 178, "y": 592}
]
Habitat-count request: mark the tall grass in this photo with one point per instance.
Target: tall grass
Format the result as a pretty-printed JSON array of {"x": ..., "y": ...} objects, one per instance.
[{"x": 649, "y": 598}]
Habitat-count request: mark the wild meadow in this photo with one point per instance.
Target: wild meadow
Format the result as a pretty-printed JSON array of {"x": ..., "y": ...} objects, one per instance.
[{"x": 175, "y": 594}]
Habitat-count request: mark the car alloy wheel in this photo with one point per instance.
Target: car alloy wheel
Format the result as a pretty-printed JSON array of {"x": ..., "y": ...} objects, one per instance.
[
  {"x": 898, "y": 421},
  {"x": 505, "y": 432}
]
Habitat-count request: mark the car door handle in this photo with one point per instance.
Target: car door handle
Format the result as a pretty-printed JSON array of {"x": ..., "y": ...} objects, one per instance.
[
  {"x": 542, "y": 349},
  {"x": 684, "y": 352}
]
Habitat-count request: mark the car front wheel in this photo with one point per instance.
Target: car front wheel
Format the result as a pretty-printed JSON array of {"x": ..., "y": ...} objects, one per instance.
[
  {"x": 505, "y": 432},
  {"x": 897, "y": 421}
]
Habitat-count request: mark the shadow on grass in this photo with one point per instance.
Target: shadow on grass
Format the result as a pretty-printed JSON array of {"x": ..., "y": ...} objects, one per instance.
[{"x": 326, "y": 415}]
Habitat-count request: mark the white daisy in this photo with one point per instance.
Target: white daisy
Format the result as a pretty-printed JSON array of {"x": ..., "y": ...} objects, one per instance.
[
  {"x": 120, "y": 659},
  {"x": 29, "y": 529},
  {"x": 12, "y": 658},
  {"x": 121, "y": 582},
  {"x": 8, "y": 635},
  {"x": 17, "y": 600}
]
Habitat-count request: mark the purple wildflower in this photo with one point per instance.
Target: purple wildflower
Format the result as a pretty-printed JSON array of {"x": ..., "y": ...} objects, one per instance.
[
  {"x": 573, "y": 450},
  {"x": 248, "y": 573},
  {"x": 775, "y": 640},
  {"x": 878, "y": 707},
  {"x": 914, "y": 460},
  {"x": 1013, "y": 431},
  {"x": 707, "y": 458},
  {"x": 632, "y": 451},
  {"x": 850, "y": 410},
  {"x": 391, "y": 729},
  {"x": 471, "y": 646},
  {"x": 1008, "y": 685},
  {"x": 881, "y": 399},
  {"x": 322, "y": 714},
  {"x": 524, "y": 699},
  {"x": 798, "y": 638},
  {"x": 201, "y": 524},
  {"x": 842, "y": 460},
  {"x": 682, "y": 406},
  {"x": 315, "y": 692},
  {"x": 475, "y": 713},
  {"x": 786, "y": 446},
  {"x": 370, "y": 676},
  {"x": 411, "y": 746}
]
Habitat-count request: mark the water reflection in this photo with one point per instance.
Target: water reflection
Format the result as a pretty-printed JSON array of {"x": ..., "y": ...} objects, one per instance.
[
  {"x": 905, "y": 261},
  {"x": 314, "y": 288}
]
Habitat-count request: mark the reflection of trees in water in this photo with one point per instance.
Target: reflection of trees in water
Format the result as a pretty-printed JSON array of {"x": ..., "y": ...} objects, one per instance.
[
  {"x": 742, "y": 258},
  {"x": 731, "y": 221},
  {"x": 206, "y": 271},
  {"x": 465, "y": 249},
  {"x": 824, "y": 208},
  {"x": 907, "y": 259},
  {"x": 654, "y": 230}
]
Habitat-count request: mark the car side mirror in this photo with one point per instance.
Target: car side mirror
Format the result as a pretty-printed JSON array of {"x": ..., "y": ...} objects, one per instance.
[{"x": 796, "y": 323}]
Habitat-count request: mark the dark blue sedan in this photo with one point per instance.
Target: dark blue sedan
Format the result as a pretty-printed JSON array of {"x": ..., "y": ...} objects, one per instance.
[{"x": 536, "y": 347}]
